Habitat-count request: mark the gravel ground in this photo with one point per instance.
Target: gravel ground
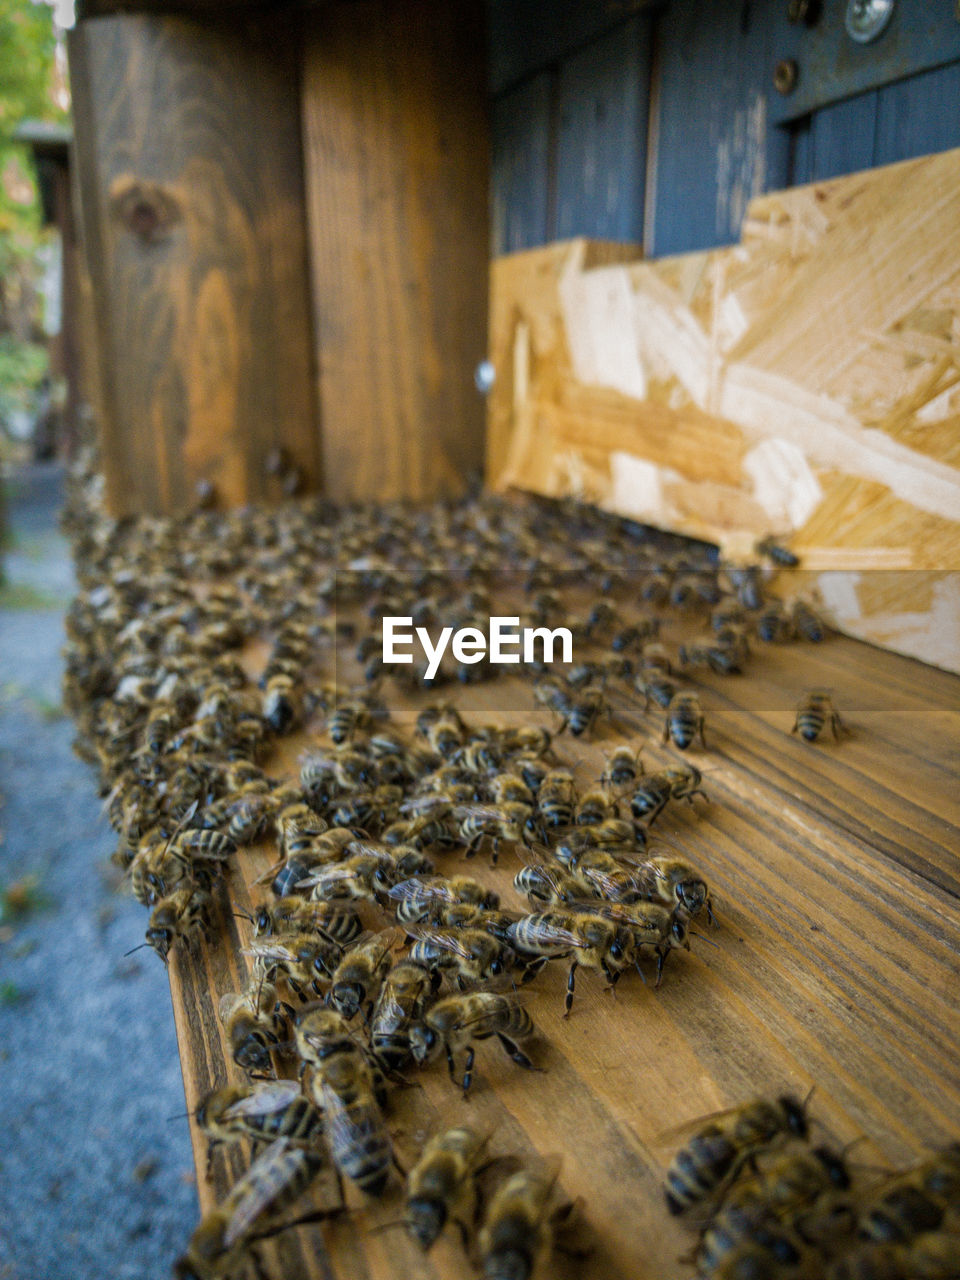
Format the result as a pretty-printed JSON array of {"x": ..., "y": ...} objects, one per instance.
[{"x": 94, "y": 1179}]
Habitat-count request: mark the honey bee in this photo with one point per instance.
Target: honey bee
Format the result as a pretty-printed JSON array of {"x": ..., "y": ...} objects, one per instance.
[
  {"x": 441, "y": 1186},
  {"x": 544, "y": 884},
  {"x": 621, "y": 768},
  {"x": 472, "y": 954},
  {"x": 178, "y": 915},
  {"x": 658, "y": 687},
  {"x": 418, "y": 897},
  {"x": 332, "y": 920},
  {"x": 673, "y": 882},
  {"x": 222, "y": 1244},
  {"x": 251, "y": 1025},
  {"x": 261, "y": 1112},
  {"x": 932, "y": 1255},
  {"x": 724, "y": 1142},
  {"x": 283, "y": 707},
  {"x": 528, "y": 740},
  {"x": 399, "y": 1005},
  {"x": 660, "y": 928},
  {"x": 773, "y": 624},
  {"x": 343, "y": 1088},
  {"x": 684, "y": 721},
  {"x": 443, "y": 729},
  {"x": 915, "y": 1200},
  {"x": 347, "y": 718},
  {"x": 777, "y": 553},
  {"x": 592, "y": 941},
  {"x": 516, "y": 1239},
  {"x": 656, "y": 789},
  {"x": 807, "y": 622},
  {"x": 771, "y": 1251},
  {"x": 509, "y": 822},
  {"x": 305, "y": 959},
  {"x": 454, "y": 1022},
  {"x": 780, "y": 1192},
  {"x": 814, "y": 710},
  {"x": 557, "y": 798},
  {"x": 593, "y": 807},
  {"x": 361, "y": 876},
  {"x": 359, "y": 975}
]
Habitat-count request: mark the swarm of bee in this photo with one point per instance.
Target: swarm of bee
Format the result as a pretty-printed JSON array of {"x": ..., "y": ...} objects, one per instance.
[
  {"x": 195, "y": 646},
  {"x": 766, "y": 1202}
]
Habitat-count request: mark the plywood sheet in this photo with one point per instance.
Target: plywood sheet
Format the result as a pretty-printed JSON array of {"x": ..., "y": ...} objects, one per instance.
[{"x": 805, "y": 382}]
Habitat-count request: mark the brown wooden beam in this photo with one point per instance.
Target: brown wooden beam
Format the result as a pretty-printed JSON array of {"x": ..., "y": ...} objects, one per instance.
[
  {"x": 188, "y": 145},
  {"x": 397, "y": 165}
]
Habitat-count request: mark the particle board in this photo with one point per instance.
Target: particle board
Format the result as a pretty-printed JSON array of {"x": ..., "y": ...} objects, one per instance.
[
  {"x": 834, "y": 963},
  {"x": 805, "y": 382}
]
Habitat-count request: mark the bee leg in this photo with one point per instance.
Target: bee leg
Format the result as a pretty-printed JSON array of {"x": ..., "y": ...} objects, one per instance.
[
  {"x": 468, "y": 1071},
  {"x": 516, "y": 1053},
  {"x": 568, "y": 1000},
  {"x": 532, "y": 969},
  {"x": 796, "y": 726},
  {"x": 257, "y": 1264},
  {"x": 666, "y": 730},
  {"x": 661, "y": 961},
  {"x": 703, "y": 741},
  {"x": 451, "y": 1065},
  {"x": 495, "y": 852}
]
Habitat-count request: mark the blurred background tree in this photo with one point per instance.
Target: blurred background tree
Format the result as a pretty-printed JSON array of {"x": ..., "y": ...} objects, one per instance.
[{"x": 32, "y": 86}]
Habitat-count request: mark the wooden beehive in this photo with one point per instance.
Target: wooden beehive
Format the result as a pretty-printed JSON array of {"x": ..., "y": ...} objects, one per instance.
[{"x": 298, "y": 261}]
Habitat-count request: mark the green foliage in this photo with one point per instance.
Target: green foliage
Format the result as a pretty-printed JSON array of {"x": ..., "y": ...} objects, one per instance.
[{"x": 27, "y": 44}]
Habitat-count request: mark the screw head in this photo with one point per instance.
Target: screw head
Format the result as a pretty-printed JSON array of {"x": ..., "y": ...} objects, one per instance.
[{"x": 785, "y": 75}]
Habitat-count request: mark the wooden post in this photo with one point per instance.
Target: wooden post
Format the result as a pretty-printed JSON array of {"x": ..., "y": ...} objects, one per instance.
[
  {"x": 188, "y": 146},
  {"x": 395, "y": 124}
]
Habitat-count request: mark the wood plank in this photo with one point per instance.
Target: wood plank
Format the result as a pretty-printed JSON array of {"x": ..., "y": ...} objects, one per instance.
[
  {"x": 602, "y": 101},
  {"x": 521, "y": 165},
  {"x": 188, "y": 144},
  {"x": 397, "y": 168},
  {"x": 715, "y": 149},
  {"x": 806, "y": 382},
  {"x": 835, "y": 961}
]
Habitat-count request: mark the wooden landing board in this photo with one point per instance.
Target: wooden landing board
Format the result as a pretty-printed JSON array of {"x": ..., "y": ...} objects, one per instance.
[
  {"x": 805, "y": 383},
  {"x": 835, "y": 963}
]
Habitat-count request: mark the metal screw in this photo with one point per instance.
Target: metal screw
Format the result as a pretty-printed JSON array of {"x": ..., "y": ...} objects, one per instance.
[
  {"x": 484, "y": 376},
  {"x": 785, "y": 76},
  {"x": 805, "y": 11}
]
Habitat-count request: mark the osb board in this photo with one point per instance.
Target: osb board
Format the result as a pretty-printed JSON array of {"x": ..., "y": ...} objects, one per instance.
[
  {"x": 805, "y": 382},
  {"x": 834, "y": 962}
]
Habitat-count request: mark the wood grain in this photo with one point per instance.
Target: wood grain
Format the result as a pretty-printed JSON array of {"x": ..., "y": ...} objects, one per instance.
[
  {"x": 188, "y": 145},
  {"x": 834, "y": 963},
  {"x": 397, "y": 170},
  {"x": 806, "y": 382}
]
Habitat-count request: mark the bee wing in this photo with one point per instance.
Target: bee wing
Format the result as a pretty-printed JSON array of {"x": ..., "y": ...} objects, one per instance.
[
  {"x": 228, "y": 1003},
  {"x": 258, "y": 1188},
  {"x": 425, "y": 804},
  {"x": 267, "y": 1098},
  {"x": 475, "y": 811},
  {"x": 447, "y": 941},
  {"x": 557, "y": 935},
  {"x": 687, "y": 1128},
  {"x": 268, "y": 949}
]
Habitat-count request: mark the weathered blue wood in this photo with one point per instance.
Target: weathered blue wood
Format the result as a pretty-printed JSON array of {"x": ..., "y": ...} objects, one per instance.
[
  {"x": 843, "y": 137},
  {"x": 922, "y": 34},
  {"x": 529, "y": 35},
  {"x": 520, "y": 166},
  {"x": 602, "y": 99},
  {"x": 919, "y": 116},
  {"x": 715, "y": 149}
]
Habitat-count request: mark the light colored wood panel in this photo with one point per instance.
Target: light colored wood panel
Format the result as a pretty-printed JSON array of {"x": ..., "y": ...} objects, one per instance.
[
  {"x": 397, "y": 171},
  {"x": 805, "y": 383}
]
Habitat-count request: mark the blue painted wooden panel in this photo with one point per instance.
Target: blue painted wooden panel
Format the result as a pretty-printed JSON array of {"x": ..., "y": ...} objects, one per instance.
[
  {"x": 919, "y": 115},
  {"x": 520, "y": 166},
  {"x": 843, "y": 137},
  {"x": 602, "y": 98},
  {"x": 715, "y": 148},
  {"x": 529, "y": 35},
  {"x": 916, "y": 117}
]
